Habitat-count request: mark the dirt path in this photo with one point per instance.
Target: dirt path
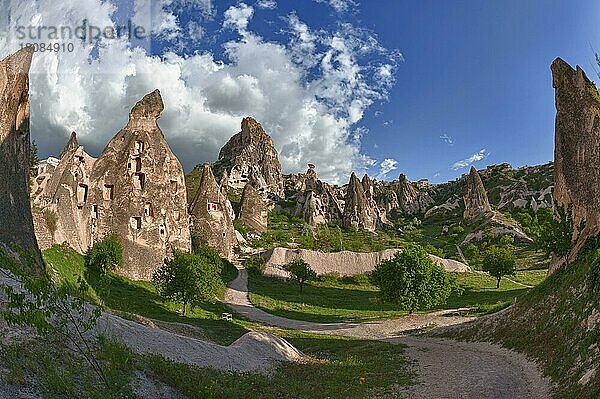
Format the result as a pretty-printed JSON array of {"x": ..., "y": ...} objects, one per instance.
[{"x": 447, "y": 368}]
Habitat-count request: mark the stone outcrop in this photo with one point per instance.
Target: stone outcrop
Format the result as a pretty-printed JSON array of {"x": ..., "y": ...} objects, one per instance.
[
  {"x": 358, "y": 212},
  {"x": 211, "y": 219},
  {"x": 577, "y": 149},
  {"x": 137, "y": 190},
  {"x": 59, "y": 209},
  {"x": 410, "y": 200},
  {"x": 370, "y": 193},
  {"x": 316, "y": 202},
  {"x": 250, "y": 149},
  {"x": 254, "y": 211},
  {"x": 16, "y": 222},
  {"x": 345, "y": 263},
  {"x": 476, "y": 199}
]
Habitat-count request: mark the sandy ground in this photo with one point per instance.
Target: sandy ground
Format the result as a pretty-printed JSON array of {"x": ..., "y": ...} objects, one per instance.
[{"x": 446, "y": 368}]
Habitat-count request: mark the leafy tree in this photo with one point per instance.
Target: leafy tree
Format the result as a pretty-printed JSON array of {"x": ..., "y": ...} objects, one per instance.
[
  {"x": 499, "y": 262},
  {"x": 471, "y": 252},
  {"x": 105, "y": 256},
  {"x": 300, "y": 271},
  {"x": 412, "y": 280},
  {"x": 507, "y": 240},
  {"x": 255, "y": 264},
  {"x": 188, "y": 278},
  {"x": 556, "y": 233}
]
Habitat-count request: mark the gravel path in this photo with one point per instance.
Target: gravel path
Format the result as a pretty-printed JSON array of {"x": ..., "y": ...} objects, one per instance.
[{"x": 447, "y": 368}]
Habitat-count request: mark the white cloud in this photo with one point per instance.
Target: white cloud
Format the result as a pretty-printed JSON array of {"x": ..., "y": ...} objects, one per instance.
[
  {"x": 463, "y": 163},
  {"x": 340, "y": 6},
  {"x": 266, "y": 4},
  {"x": 447, "y": 139},
  {"x": 385, "y": 167},
  {"x": 238, "y": 17},
  {"x": 310, "y": 110}
]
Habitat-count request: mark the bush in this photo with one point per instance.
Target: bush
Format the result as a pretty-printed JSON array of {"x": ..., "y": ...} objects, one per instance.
[
  {"x": 255, "y": 264},
  {"x": 300, "y": 271},
  {"x": 189, "y": 278},
  {"x": 105, "y": 256},
  {"x": 412, "y": 280},
  {"x": 499, "y": 262}
]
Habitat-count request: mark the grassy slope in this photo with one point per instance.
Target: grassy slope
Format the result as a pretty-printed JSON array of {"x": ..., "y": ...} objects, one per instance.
[
  {"x": 335, "y": 301},
  {"x": 140, "y": 298},
  {"x": 553, "y": 324}
]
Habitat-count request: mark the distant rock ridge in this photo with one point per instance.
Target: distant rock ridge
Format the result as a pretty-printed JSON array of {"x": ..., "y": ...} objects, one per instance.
[
  {"x": 16, "y": 221},
  {"x": 577, "y": 150},
  {"x": 476, "y": 199},
  {"x": 250, "y": 149},
  {"x": 410, "y": 200}
]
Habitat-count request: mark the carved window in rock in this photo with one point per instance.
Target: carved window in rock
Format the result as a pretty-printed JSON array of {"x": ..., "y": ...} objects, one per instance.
[
  {"x": 108, "y": 192},
  {"x": 137, "y": 165},
  {"x": 174, "y": 186},
  {"x": 213, "y": 207},
  {"x": 139, "y": 181},
  {"x": 94, "y": 211},
  {"x": 139, "y": 146},
  {"x": 136, "y": 223},
  {"x": 177, "y": 216},
  {"x": 82, "y": 194},
  {"x": 148, "y": 210},
  {"x": 162, "y": 232}
]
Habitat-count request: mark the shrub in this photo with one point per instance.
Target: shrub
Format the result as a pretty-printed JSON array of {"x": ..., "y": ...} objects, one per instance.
[
  {"x": 499, "y": 262},
  {"x": 507, "y": 240},
  {"x": 255, "y": 264},
  {"x": 105, "y": 256},
  {"x": 300, "y": 271},
  {"x": 188, "y": 278},
  {"x": 412, "y": 280}
]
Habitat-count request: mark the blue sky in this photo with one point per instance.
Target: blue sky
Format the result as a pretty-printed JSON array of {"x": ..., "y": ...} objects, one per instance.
[{"x": 424, "y": 88}]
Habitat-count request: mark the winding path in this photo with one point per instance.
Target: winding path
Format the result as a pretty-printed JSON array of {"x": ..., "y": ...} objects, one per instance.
[{"x": 447, "y": 368}]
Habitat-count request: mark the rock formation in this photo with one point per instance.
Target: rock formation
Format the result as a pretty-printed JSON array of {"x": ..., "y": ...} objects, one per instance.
[
  {"x": 16, "y": 222},
  {"x": 59, "y": 211},
  {"x": 358, "y": 212},
  {"x": 211, "y": 220},
  {"x": 476, "y": 199},
  {"x": 316, "y": 201},
  {"x": 254, "y": 211},
  {"x": 370, "y": 192},
  {"x": 410, "y": 200},
  {"x": 577, "y": 149},
  {"x": 249, "y": 149},
  {"x": 138, "y": 192}
]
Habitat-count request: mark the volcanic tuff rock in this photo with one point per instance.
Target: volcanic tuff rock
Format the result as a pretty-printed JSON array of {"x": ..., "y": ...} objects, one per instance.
[
  {"x": 410, "y": 200},
  {"x": 138, "y": 192},
  {"x": 63, "y": 198},
  {"x": 254, "y": 211},
  {"x": 251, "y": 148},
  {"x": 577, "y": 148},
  {"x": 16, "y": 222},
  {"x": 358, "y": 212},
  {"x": 211, "y": 220},
  {"x": 370, "y": 190},
  {"x": 316, "y": 202},
  {"x": 476, "y": 199}
]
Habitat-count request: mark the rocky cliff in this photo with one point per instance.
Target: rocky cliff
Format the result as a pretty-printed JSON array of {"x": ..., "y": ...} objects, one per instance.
[
  {"x": 254, "y": 211},
  {"x": 250, "y": 149},
  {"x": 410, "y": 200},
  {"x": 316, "y": 201},
  {"x": 16, "y": 222},
  {"x": 138, "y": 192},
  {"x": 358, "y": 212},
  {"x": 476, "y": 199},
  {"x": 211, "y": 219},
  {"x": 577, "y": 148}
]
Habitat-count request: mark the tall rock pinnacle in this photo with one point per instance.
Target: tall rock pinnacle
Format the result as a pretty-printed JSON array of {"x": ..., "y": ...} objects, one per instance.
[
  {"x": 476, "y": 199},
  {"x": 358, "y": 212}
]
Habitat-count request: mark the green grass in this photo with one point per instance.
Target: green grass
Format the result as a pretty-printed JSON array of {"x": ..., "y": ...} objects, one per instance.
[
  {"x": 335, "y": 368},
  {"x": 140, "y": 297},
  {"x": 331, "y": 300}
]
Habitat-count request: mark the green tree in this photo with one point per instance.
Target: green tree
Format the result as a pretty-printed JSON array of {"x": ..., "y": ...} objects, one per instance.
[
  {"x": 188, "y": 278},
  {"x": 499, "y": 262},
  {"x": 105, "y": 256},
  {"x": 300, "y": 271},
  {"x": 255, "y": 264},
  {"x": 507, "y": 240},
  {"x": 412, "y": 280},
  {"x": 471, "y": 252},
  {"x": 556, "y": 233}
]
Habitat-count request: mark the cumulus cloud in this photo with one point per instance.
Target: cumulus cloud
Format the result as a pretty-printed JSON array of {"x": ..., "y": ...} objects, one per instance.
[
  {"x": 311, "y": 109},
  {"x": 340, "y": 6},
  {"x": 266, "y": 4},
  {"x": 385, "y": 167},
  {"x": 463, "y": 163},
  {"x": 447, "y": 139}
]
